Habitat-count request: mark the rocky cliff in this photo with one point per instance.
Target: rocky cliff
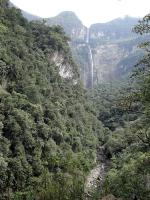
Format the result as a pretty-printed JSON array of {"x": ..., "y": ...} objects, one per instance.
[
  {"x": 80, "y": 48},
  {"x": 105, "y": 51},
  {"x": 114, "y": 46}
]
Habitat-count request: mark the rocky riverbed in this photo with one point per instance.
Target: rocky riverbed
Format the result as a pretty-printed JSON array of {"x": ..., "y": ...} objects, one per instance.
[{"x": 96, "y": 177}]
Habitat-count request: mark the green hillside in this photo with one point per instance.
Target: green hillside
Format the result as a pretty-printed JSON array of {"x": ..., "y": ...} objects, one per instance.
[
  {"x": 48, "y": 132},
  {"x": 59, "y": 141}
]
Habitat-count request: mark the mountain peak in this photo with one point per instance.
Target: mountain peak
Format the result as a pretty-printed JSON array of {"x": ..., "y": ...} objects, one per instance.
[
  {"x": 125, "y": 20},
  {"x": 65, "y": 17},
  {"x": 68, "y": 14},
  {"x": 71, "y": 24}
]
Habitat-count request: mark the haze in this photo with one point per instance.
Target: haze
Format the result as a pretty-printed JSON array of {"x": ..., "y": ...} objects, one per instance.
[{"x": 89, "y": 11}]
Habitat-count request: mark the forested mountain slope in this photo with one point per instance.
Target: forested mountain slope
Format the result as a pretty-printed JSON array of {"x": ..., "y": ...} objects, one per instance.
[
  {"x": 51, "y": 128},
  {"x": 124, "y": 110},
  {"x": 113, "y": 46},
  {"x": 48, "y": 131}
]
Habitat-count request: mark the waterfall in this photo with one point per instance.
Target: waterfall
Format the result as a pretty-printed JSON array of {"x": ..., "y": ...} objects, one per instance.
[
  {"x": 90, "y": 57},
  {"x": 87, "y": 36},
  {"x": 92, "y": 65}
]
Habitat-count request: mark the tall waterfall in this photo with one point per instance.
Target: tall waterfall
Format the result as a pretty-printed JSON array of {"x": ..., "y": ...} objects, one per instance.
[
  {"x": 87, "y": 36},
  {"x": 90, "y": 57},
  {"x": 92, "y": 66}
]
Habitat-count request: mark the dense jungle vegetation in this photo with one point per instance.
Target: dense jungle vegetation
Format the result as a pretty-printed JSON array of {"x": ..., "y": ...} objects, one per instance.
[
  {"x": 48, "y": 131},
  {"x": 124, "y": 110},
  {"x": 50, "y": 127}
]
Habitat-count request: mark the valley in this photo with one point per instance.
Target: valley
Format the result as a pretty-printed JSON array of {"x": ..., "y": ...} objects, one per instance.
[{"x": 74, "y": 110}]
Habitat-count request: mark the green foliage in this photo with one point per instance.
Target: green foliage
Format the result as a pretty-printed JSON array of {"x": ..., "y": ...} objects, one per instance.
[
  {"x": 128, "y": 177},
  {"x": 48, "y": 133},
  {"x": 49, "y": 130},
  {"x": 115, "y": 104}
]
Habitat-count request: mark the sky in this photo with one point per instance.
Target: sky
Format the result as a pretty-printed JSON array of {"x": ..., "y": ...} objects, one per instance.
[{"x": 89, "y": 11}]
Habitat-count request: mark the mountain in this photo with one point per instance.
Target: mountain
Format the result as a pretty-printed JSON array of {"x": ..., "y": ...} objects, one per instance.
[
  {"x": 112, "y": 47},
  {"x": 111, "y": 51},
  {"x": 57, "y": 140},
  {"x": 48, "y": 132},
  {"x": 78, "y": 34},
  {"x": 71, "y": 24},
  {"x": 116, "y": 29}
]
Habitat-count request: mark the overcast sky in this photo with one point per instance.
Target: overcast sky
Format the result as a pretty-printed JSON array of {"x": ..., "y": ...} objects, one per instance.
[{"x": 89, "y": 11}]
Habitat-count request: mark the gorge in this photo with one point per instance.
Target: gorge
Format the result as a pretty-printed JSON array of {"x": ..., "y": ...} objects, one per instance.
[
  {"x": 68, "y": 130},
  {"x": 111, "y": 51},
  {"x": 113, "y": 46}
]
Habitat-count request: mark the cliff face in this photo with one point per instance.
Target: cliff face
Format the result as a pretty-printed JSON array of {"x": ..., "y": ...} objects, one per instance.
[
  {"x": 78, "y": 35},
  {"x": 112, "y": 44},
  {"x": 112, "y": 47},
  {"x": 65, "y": 68},
  {"x": 107, "y": 61}
]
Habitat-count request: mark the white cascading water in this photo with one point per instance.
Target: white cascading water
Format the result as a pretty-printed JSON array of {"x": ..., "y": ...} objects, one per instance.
[
  {"x": 87, "y": 36},
  {"x": 91, "y": 56}
]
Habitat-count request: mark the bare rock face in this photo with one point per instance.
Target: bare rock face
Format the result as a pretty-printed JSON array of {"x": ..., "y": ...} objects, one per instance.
[
  {"x": 77, "y": 33},
  {"x": 65, "y": 69},
  {"x": 107, "y": 61},
  {"x": 114, "y": 48}
]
